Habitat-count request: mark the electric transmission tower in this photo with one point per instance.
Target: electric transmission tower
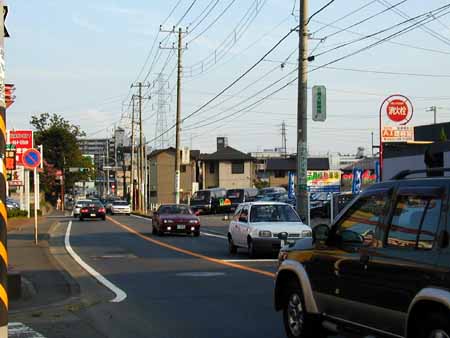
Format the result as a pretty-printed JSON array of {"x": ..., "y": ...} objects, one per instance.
[{"x": 161, "y": 86}]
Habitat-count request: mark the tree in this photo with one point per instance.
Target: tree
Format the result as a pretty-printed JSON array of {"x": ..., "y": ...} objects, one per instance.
[{"x": 61, "y": 150}]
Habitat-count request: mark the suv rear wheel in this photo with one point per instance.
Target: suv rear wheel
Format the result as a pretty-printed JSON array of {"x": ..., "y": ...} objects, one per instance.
[
  {"x": 435, "y": 325},
  {"x": 295, "y": 318}
]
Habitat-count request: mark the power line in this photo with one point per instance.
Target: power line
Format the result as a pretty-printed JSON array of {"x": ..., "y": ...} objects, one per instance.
[
  {"x": 390, "y": 73},
  {"x": 213, "y": 22},
  {"x": 232, "y": 83},
  {"x": 228, "y": 43},
  {"x": 319, "y": 11},
  {"x": 186, "y": 13},
  {"x": 436, "y": 51},
  {"x": 396, "y": 34},
  {"x": 345, "y": 16},
  {"x": 214, "y": 2},
  {"x": 345, "y": 44},
  {"x": 426, "y": 29},
  {"x": 364, "y": 20}
]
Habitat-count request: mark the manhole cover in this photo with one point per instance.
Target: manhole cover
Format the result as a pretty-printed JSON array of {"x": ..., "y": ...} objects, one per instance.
[{"x": 200, "y": 274}]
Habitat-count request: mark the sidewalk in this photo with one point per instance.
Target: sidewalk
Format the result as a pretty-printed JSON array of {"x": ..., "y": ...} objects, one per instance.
[{"x": 44, "y": 281}]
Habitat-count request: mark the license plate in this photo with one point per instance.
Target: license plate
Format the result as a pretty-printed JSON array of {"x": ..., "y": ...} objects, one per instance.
[
  {"x": 181, "y": 227},
  {"x": 93, "y": 215}
]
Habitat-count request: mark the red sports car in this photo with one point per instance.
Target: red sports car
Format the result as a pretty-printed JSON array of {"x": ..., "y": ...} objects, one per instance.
[{"x": 175, "y": 219}]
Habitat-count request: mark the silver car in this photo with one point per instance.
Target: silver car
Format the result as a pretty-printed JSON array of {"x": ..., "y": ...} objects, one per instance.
[{"x": 78, "y": 205}]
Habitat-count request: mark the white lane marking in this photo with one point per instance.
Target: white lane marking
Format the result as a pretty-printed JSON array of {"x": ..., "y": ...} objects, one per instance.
[
  {"x": 249, "y": 260},
  {"x": 214, "y": 235},
  {"x": 141, "y": 217},
  {"x": 120, "y": 294},
  {"x": 20, "y": 330}
]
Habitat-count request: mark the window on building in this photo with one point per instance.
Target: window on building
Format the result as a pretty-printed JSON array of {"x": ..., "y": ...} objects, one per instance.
[
  {"x": 280, "y": 173},
  {"x": 237, "y": 167},
  {"x": 415, "y": 222},
  {"x": 153, "y": 194},
  {"x": 212, "y": 168},
  {"x": 183, "y": 168}
]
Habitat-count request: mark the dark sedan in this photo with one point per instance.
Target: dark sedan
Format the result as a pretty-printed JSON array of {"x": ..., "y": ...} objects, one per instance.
[
  {"x": 92, "y": 209},
  {"x": 175, "y": 219}
]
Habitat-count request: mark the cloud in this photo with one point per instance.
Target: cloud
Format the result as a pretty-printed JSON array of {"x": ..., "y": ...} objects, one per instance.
[{"x": 85, "y": 24}]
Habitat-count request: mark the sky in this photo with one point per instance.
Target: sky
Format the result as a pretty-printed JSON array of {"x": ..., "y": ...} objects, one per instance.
[{"x": 79, "y": 59}]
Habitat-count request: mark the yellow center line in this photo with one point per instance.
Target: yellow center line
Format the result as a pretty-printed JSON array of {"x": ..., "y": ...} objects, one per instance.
[{"x": 191, "y": 253}]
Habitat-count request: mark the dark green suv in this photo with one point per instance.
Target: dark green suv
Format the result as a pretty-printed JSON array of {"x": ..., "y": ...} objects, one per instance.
[{"x": 382, "y": 269}]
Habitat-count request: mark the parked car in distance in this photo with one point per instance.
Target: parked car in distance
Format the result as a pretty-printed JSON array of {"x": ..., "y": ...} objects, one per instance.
[
  {"x": 208, "y": 201},
  {"x": 272, "y": 190},
  {"x": 255, "y": 227},
  {"x": 238, "y": 196},
  {"x": 382, "y": 268},
  {"x": 78, "y": 205},
  {"x": 120, "y": 207},
  {"x": 12, "y": 204},
  {"x": 92, "y": 209},
  {"x": 175, "y": 219}
]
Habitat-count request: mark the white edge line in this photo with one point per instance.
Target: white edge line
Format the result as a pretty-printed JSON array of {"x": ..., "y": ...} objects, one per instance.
[
  {"x": 249, "y": 260},
  {"x": 214, "y": 235},
  {"x": 144, "y": 218},
  {"x": 120, "y": 294}
]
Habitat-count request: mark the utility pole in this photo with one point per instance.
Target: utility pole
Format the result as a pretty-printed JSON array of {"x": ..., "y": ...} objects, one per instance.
[
  {"x": 178, "y": 119},
  {"x": 140, "y": 202},
  {"x": 434, "y": 110},
  {"x": 107, "y": 166},
  {"x": 302, "y": 122},
  {"x": 283, "y": 139},
  {"x": 3, "y": 212},
  {"x": 132, "y": 156}
]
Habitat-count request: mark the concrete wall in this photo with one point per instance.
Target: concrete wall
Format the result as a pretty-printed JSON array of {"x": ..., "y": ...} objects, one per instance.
[
  {"x": 229, "y": 181},
  {"x": 278, "y": 181}
]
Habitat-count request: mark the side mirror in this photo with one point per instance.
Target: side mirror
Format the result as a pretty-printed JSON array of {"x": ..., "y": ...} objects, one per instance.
[
  {"x": 351, "y": 237},
  {"x": 320, "y": 233},
  {"x": 283, "y": 236}
]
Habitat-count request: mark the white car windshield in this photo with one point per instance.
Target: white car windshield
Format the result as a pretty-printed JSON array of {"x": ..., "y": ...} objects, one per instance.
[{"x": 273, "y": 213}]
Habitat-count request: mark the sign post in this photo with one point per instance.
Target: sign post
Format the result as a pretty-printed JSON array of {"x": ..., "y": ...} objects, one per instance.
[
  {"x": 399, "y": 110},
  {"x": 31, "y": 159},
  {"x": 319, "y": 104}
]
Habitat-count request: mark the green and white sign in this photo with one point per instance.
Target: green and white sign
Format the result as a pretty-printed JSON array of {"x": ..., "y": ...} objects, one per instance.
[{"x": 319, "y": 104}]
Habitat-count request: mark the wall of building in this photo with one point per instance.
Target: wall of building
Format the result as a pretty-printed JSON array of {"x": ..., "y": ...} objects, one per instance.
[
  {"x": 228, "y": 180},
  {"x": 162, "y": 179},
  {"x": 211, "y": 179},
  {"x": 278, "y": 181}
]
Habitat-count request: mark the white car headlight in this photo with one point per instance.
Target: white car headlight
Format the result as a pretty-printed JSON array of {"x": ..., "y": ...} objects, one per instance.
[
  {"x": 265, "y": 233},
  {"x": 306, "y": 233},
  {"x": 193, "y": 221},
  {"x": 168, "y": 221}
]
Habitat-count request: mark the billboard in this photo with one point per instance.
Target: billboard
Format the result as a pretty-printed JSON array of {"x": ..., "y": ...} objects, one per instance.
[{"x": 324, "y": 181}]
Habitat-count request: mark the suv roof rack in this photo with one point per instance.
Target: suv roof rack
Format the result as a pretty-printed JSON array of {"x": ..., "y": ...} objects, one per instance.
[{"x": 404, "y": 173}]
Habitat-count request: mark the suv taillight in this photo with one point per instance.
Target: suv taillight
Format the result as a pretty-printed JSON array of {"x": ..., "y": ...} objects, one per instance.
[
  {"x": 101, "y": 210},
  {"x": 85, "y": 210}
]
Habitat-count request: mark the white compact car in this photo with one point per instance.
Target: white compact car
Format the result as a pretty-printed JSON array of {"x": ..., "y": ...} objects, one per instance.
[
  {"x": 78, "y": 205},
  {"x": 255, "y": 226},
  {"x": 120, "y": 207}
]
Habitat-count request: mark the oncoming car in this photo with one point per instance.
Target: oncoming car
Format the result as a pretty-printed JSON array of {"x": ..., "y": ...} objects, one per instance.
[
  {"x": 255, "y": 227},
  {"x": 175, "y": 219}
]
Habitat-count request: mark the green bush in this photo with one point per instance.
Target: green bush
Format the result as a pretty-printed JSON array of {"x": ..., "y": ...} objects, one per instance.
[{"x": 16, "y": 213}]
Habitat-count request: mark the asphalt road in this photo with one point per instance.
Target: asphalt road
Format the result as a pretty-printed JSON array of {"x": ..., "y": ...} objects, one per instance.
[{"x": 176, "y": 286}]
